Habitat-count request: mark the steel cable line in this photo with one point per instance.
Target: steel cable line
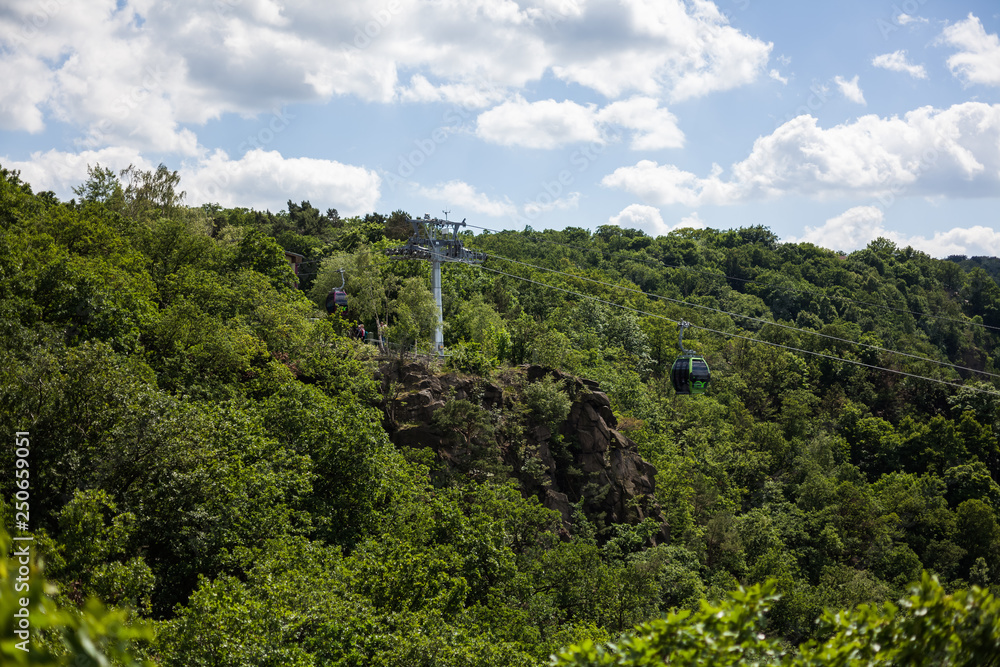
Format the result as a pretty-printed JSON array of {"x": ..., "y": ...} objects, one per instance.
[
  {"x": 754, "y": 340},
  {"x": 747, "y": 317},
  {"x": 751, "y": 280}
]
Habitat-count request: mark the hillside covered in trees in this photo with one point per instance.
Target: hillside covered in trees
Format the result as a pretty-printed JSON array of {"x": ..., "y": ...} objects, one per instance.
[{"x": 239, "y": 481}]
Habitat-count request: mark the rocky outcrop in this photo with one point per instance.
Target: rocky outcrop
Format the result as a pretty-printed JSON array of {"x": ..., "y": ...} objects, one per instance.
[{"x": 585, "y": 458}]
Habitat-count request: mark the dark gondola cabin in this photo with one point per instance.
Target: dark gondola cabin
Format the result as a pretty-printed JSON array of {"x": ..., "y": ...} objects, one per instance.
[
  {"x": 690, "y": 375},
  {"x": 336, "y": 302},
  {"x": 336, "y": 299}
]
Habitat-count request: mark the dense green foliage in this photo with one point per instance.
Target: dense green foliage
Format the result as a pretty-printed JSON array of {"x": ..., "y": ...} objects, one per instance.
[
  {"x": 921, "y": 630},
  {"x": 210, "y": 450}
]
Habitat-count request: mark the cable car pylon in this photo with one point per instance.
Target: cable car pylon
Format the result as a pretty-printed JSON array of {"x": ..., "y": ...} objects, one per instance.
[{"x": 430, "y": 242}]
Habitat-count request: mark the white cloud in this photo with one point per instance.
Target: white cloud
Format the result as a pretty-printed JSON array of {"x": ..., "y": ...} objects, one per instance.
[
  {"x": 776, "y": 75},
  {"x": 971, "y": 241},
  {"x": 24, "y": 87},
  {"x": 655, "y": 128},
  {"x": 649, "y": 220},
  {"x": 61, "y": 172},
  {"x": 464, "y": 196},
  {"x": 906, "y": 19},
  {"x": 896, "y": 61},
  {"x": 928, "y": 152},
  {"x": 850, "y": 89},
  {"x": 140, "y": 73},
  {"x": 468, "y": 95},
  {"x": 978, "y": 59},
  {"x": 259, "y": 179},
  {"x": 692, "y": 221},
  {"x": 668, "y": 47},
  {"x": 100, "y": 74},
  {"x": 666, "y": 184},
  {"x": 640, "y": 216},
  {"x": 544, "y": 124},
  {"x": 551, "y": 124},
  {"x": 858, "y": 226},
  {"x": 266, "y": 180},
  {"x": 851, "y": 230}
]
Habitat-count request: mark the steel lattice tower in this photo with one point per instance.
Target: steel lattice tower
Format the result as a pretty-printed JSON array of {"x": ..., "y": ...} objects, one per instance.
[{"x": 430, "y": 241}]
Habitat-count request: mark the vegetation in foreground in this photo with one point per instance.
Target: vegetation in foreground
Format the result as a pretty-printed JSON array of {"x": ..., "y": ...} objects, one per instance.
[{"x": 210, "y": 455}]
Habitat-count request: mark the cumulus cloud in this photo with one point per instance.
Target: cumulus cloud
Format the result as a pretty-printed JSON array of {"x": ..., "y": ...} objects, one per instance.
[
  {"x": 927, "y": 152},
  {"x": 265, "y": 180},
  {"x": 978, "y": 57},
  {"x": 663, "y": 48},
  {"x": 259, "y": 179},
  {"x": 467, "y": 95},
  {"x": 666, "y": 184},
  {"x": 26, "y": 84},
  {"x": 140, "y": 73},
  {"x": 906, "y": 19},
  {"x": 851, "y": 230},
  {"x": 858, "y": 226},
  {"x": 896, "y": 62},
  {"x": 544, "y": 124},
  {"x": 465, "y": 196},
  {"x": 850, "y": 89},
  {"x": 640, "y": 216},
  {"x": 972, "y": 241},
  {"x": 692, "y": 221},
  {"x": 551, "y": 124},
  {"x": 655, "y": 128},
  {"x": 91, "y": 68},
  {"x": 60, "y": 171},
  {"x": 650, "y": 220}
]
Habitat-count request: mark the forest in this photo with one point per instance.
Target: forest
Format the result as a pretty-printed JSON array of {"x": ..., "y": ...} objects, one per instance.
[{"x": 207, "y": 468}]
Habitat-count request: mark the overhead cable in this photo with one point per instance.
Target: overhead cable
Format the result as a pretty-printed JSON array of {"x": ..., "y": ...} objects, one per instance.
[
  {"x": 748, "y": 338},
  {"x": 747, "y": 317},
  {"x": 692, "y": 269}
]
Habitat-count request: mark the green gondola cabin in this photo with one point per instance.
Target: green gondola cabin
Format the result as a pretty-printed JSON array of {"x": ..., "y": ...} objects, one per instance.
[{"x": 690, "y": 375}]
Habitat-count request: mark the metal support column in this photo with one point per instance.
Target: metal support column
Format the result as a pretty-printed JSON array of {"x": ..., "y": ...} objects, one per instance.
[
  {"x": 436, "y": 289},
  {"x": 429, "y": 243}
]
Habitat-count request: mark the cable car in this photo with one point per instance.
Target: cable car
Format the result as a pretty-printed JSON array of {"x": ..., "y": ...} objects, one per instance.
[
  {"x": 690, "y": 373},
  {"x": 336, "y": 299}
]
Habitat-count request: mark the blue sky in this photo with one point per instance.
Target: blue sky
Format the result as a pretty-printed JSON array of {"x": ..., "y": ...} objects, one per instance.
[{"x": 832, "y": 123}]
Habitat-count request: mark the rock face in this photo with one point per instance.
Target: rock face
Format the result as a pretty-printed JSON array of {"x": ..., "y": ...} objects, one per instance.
[{"x": 585, "y": 458}]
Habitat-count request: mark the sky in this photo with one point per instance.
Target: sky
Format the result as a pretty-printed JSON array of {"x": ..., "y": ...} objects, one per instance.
[{"x": 832, "y": 123}]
